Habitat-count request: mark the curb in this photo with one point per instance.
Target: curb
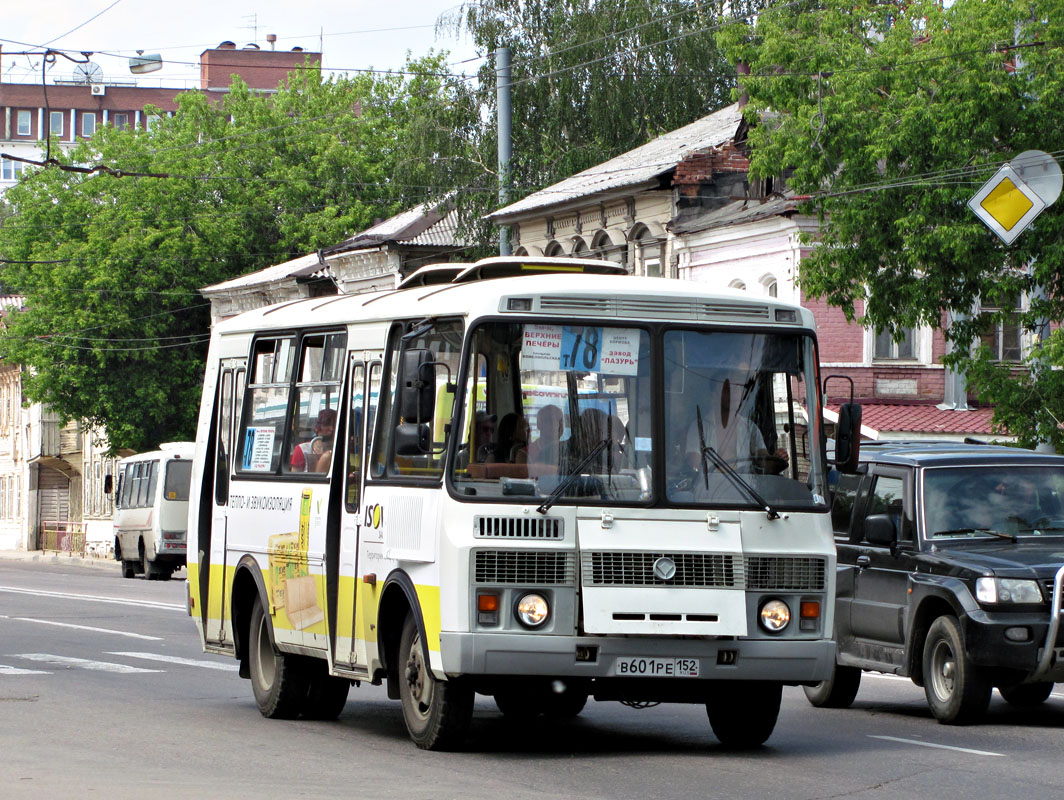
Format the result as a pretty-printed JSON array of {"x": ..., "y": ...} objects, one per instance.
[{"x": 41, "y": 557}]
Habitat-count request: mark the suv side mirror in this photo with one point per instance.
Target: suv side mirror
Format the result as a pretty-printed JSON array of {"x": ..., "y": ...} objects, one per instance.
[
  {"x": 418, "y": 389},
  {"x": 848, "y": 438},
  {"x": 879, "y": 529},
  {"x": 108, "y": 483}
]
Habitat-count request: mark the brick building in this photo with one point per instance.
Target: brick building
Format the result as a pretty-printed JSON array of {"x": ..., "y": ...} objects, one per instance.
[{"x": 72, "y": 108}]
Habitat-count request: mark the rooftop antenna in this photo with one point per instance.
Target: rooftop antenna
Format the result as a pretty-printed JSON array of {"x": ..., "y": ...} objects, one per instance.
[{"x": 253, "y": 27}]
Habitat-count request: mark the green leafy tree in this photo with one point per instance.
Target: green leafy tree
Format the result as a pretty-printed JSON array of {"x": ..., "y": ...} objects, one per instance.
[
  {"x": 593, "y": 78},
  {"x": 114, "y": 330},
  {"x": 891, "y": 115}
]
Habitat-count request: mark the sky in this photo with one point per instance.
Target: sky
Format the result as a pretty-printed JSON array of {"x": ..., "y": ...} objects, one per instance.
[{"x": 350, "y": 34}]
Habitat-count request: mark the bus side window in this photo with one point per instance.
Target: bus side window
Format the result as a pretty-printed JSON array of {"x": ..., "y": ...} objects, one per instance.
[
  {"x": 317, "y": 403},
  {"x": 354, "y": 439},
  {"x": 266, "y": 405},
  {"x": 443, "y": 340}
]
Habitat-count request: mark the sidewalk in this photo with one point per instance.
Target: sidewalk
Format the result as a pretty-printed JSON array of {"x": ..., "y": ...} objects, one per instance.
[{"x": 42, "y": 557}]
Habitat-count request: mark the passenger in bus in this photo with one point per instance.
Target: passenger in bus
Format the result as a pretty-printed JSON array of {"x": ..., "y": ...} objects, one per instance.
[
  {"x": 513, "y": 439},
  {"x": 548, "y": 449},
  {"x": 484, "y": 442},
  {"x": 307, "y": 456}
]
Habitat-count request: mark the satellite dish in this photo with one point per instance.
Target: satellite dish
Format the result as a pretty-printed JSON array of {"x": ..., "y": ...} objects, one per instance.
[{"x": 89, "y": 72}]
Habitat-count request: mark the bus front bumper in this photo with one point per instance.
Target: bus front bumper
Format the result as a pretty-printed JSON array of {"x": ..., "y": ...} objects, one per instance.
[{"x": 796, "y": 661}]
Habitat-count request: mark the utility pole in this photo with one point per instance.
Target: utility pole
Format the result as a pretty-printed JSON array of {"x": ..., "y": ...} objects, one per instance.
[{"x": 505, "y": 120}]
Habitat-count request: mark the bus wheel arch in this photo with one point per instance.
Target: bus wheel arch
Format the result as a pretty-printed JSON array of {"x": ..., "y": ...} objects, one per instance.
[
  {"x": 398, "y": 599},
  {"x": 247, "y": 586}
]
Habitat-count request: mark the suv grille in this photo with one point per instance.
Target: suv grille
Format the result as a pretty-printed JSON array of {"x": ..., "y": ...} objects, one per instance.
[
  {"x": 704, "y": 570},
  {"x": 542, "y": 567},
  {"x": 785, "y": 573}
]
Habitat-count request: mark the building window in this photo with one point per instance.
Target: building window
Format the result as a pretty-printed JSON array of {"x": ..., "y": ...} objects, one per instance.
[
  {"x": 1002, "y": 335},
  {"x": 121, "y": 121},
  {"x": 88, "y": 124},
  {"x": 11, "y": 170},
  {"x": 24, "y": 124},
  {"x": 580, "y": 249},
  {"x": 55, "y": 123},
  {"x": 769, "y": 282},
  {"x": 890, "y": 348},
  {"x": 152, "y": 121},
  {"x": 737, "y": 284}
]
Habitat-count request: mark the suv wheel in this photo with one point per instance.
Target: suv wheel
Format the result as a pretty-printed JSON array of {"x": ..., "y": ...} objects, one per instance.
[
  {"x": 838, "y": 691},
  {"x": 957, "y": 690}
]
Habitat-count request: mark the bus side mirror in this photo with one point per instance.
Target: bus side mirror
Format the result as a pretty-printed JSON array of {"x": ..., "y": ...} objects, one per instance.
[
  {"x": 418, "y": 392},
  {"x": 848, "y": 438},
  {"x": 412, "y": 439},
  {"x": 108, "y": 483}
]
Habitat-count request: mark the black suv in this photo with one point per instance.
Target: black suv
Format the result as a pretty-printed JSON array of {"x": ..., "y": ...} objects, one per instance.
[{"x": 949, "y": 571}]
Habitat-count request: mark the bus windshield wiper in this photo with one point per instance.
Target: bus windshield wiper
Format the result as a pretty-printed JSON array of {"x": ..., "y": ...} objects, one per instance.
[
  {"x": 987, "y": 531},
  {"x": 572, "y": 475},
  {"x": 740, "y": 483}
]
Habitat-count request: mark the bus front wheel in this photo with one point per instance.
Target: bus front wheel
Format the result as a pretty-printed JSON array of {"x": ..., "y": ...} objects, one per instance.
[
  {"x": 743, "y": 713},
  {"x": 279, "y": 680},
  {"x": 437, "y": 713}
]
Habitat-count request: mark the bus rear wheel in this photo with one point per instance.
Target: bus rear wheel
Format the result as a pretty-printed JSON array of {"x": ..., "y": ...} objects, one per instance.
[
  {"x": 278, "y": 680},
  {"x": 326, "y": 694},
  {"x": 437, "y": 713},
  {"x": 743, "y": 713}
]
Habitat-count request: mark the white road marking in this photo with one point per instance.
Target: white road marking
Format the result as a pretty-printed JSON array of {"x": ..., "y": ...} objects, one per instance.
[
  {"x": 89, "y": 628},
  {"x": 932, "y": 744},
  {"x": 6, "y": 670},
  {"x": 96, "y": 599},
  {"x": 83, "y": 663},
  {"x": 189, "y": 662}
]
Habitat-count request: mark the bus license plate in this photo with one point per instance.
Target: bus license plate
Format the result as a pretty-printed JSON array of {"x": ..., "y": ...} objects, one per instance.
[{"x": 639, "y": 667}]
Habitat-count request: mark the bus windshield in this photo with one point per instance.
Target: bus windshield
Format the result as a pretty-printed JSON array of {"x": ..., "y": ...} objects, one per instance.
[{"x": 571, "y": 412}]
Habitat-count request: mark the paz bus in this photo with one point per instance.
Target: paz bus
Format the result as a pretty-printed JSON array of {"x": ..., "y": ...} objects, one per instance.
[{"x": 661, "y": 535}]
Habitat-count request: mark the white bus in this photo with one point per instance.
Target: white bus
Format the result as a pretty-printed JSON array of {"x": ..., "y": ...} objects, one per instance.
[
  {"x": 660, "y": 533},
  {"x": 151, "y": 511}
]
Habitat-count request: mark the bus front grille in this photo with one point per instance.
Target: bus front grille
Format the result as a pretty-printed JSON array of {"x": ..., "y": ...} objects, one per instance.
[
  {"x": 700, "y": 570},
  {"x": 785, "y": 573},
  {"x": 537, "y": 567},
  {"x": 518, "y": 528}
]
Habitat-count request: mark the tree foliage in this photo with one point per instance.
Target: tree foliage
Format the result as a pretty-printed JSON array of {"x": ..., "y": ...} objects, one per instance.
[
  {"x": 594, "y": 78},
  {"x": 893, "y": 115},
  {"x": 114, "y": 330}
]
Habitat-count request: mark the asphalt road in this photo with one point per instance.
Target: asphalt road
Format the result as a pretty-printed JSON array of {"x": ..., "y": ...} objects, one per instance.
[{"x": 104, "y": 692}]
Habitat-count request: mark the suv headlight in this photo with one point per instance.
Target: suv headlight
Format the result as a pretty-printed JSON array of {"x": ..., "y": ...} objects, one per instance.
[{"x": 1007, "y": 590}]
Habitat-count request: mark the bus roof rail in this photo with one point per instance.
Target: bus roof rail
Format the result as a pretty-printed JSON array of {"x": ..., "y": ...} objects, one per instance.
[{"x": 513, "y": 266}]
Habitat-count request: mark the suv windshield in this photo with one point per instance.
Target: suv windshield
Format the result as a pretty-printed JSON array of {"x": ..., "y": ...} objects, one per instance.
[
  {"x": 558, "y": 412},
  {"x": 968, "y": 502}
]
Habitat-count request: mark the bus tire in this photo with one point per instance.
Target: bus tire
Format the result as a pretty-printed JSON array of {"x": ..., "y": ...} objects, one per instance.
[
  {"x": 278, "y": 680},
  {"x": 129, "y": 569},
  {"x": 437, "y": 713},
  {"x": 838, "y": 691},
  {"x": 743, "y": 713},
  {"x": 565, "y": 704},
  {"x": 326, "y": 694},
  {"x": 1026, "y": 695},
  {"x": 519, "y": 705}
]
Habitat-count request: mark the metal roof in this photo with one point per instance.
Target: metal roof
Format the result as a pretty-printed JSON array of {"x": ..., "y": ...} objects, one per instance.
[{"x": 642, "y": 164}]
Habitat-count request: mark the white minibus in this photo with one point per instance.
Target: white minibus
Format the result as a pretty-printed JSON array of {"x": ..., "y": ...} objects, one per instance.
[
  {"x": 151, "y": 511},
  {"x": 378, "y": 496}
]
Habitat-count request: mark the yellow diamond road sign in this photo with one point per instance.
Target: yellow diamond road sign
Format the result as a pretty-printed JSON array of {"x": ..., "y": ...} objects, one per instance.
[{"x": 1007, "y": 204}]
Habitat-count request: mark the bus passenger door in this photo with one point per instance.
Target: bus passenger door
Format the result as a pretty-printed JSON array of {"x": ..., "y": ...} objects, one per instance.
[
  {"x": 349, "y": 482},
  {"x": 231, "y": 378}
]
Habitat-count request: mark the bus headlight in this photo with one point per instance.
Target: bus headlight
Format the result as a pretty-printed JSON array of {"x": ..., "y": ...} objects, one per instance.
[
  {"x": 775, "y": 616},
  {"x": 532, "y": 610}
]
